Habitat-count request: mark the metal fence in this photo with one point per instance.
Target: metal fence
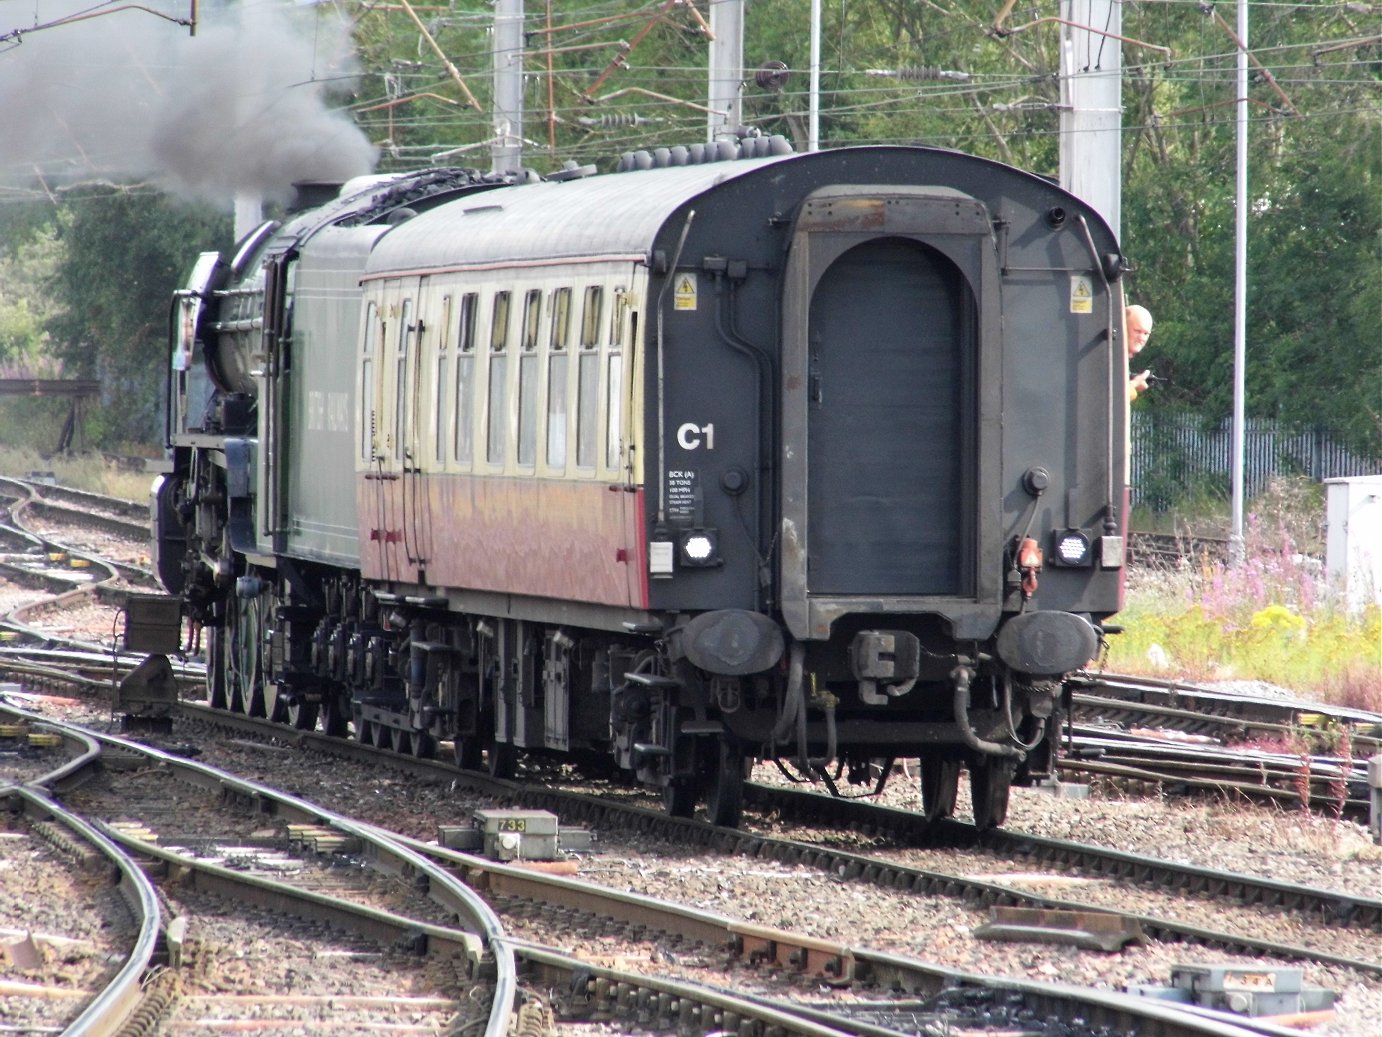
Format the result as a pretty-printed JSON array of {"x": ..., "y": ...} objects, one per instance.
[{"x": 1176, "y": 453}]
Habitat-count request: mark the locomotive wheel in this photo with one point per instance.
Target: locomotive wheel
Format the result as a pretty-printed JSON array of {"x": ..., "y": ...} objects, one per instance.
[
  {"x": 724, "y": 794},
  {"x": 235, "y": 701},
  {"x": 244, "y": 672},
  {"x": 242, "y": 698},
  {"x": 940, "y": 784},
  {"x": 990, "y": 782},
  {"x": 303, "y": 715},
  {"x": 216, "y": 668},
  {"x": 275, "y": 705}
]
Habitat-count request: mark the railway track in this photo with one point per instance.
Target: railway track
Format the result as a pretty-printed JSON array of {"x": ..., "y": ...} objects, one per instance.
[
  {"x": 1173, "y": 738},
  {"x": 1173, "y": 550},
  {"x": 82, "y": 959},
  {"x": 1230, "y": 717},
  {"x": 1333, "y": 911},
  {"x": 400, "y": 900},
  {"x": 947, "y": 996},
  {"x": 68, "y": 565},
  {"x": 1329, "y": 910}
]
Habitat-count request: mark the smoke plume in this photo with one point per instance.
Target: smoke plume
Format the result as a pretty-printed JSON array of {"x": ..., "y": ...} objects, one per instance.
[{"x": 242, "y": 107}]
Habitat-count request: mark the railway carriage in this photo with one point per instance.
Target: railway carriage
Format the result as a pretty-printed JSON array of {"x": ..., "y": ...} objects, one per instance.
[{"x": 816, "y": 458}]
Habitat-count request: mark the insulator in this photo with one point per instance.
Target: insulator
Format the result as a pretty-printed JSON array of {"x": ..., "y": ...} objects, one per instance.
[
  {"x": 924, "y": 72},
  {"x": 612, "y": 121},
  {"x": 772, "y": 75}
]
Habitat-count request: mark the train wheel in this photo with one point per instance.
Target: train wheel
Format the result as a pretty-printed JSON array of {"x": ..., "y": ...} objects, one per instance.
[
  {"x": 724, "y": 795},
  {"x": 335, "y": 717},
  {"x": 990, "y": 782},
  {"x": 679, "y": 797},
  {"x": 940, "y": 784},
  {"x": 503, "y": 760},
  {"x": 467, "y": 752}
]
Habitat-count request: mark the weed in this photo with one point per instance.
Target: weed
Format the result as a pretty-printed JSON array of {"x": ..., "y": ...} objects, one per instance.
[
  {"x": 1292, "y": 831},
  {"x": 93, "y": 472},
  {"x": 1274, "y": 617}
]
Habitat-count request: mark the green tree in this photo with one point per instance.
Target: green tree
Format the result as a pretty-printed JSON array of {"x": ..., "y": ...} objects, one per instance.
[
  {"x": 124, "y": 254},
  {"x": 1314, "y": 216},
  {"x": 26, "y": 295}
]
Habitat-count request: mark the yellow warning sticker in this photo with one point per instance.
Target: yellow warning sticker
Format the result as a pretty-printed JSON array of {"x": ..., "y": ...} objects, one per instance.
[
  {"x": 1081, "y": 294},
  {"x": 685, "y": 292}
]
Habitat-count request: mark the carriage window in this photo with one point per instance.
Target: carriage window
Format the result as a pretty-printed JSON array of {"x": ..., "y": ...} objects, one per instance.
[
  {"x": 498, "y": 414},
  {"x": 616, "y": 315},
  {"x": 499, "y": 323},
  {"x": 613, "y": 395},
  {"x": 465, "y": 377},
  {"x": 532, "y": 317},
  {"x": 561, "y": 318},
  {"x": 590, "y": 316},
  {"x": 496, "y": 432},
  {"x": 366, "y": 415},
  {"x": 439, "y": 383},
  {"x": 439, "y": 430},
  {"x": 587, "y": 407},
  {"x": 465, "y": 339},
  {"x": 405, "y": 335},
  {"x": 527, "y": 379},
  {"x": 556, "y": 410},
  {"x": 527, "y": 408}
]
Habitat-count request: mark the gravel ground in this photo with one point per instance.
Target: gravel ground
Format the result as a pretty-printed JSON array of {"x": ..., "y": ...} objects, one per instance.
[
  {"x": 1283, "y": 846},
  {"x": 259, "y": 971},
  {"x": 68, "y": 953},
  {"x": 938, "y": 929},
  {"x": 1286, "y": 846}
]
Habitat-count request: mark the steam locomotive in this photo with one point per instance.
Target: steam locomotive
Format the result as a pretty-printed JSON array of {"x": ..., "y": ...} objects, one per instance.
[{"x": 733, "y": 454}]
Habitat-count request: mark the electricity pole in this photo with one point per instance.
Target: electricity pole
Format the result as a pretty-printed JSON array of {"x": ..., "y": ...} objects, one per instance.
[
  {"x": 1091, "y": 117},
  {"x": 506, "y": 146},
  {"x": 1240, "y": 291},
  {"x": 726, "y": 100}
]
